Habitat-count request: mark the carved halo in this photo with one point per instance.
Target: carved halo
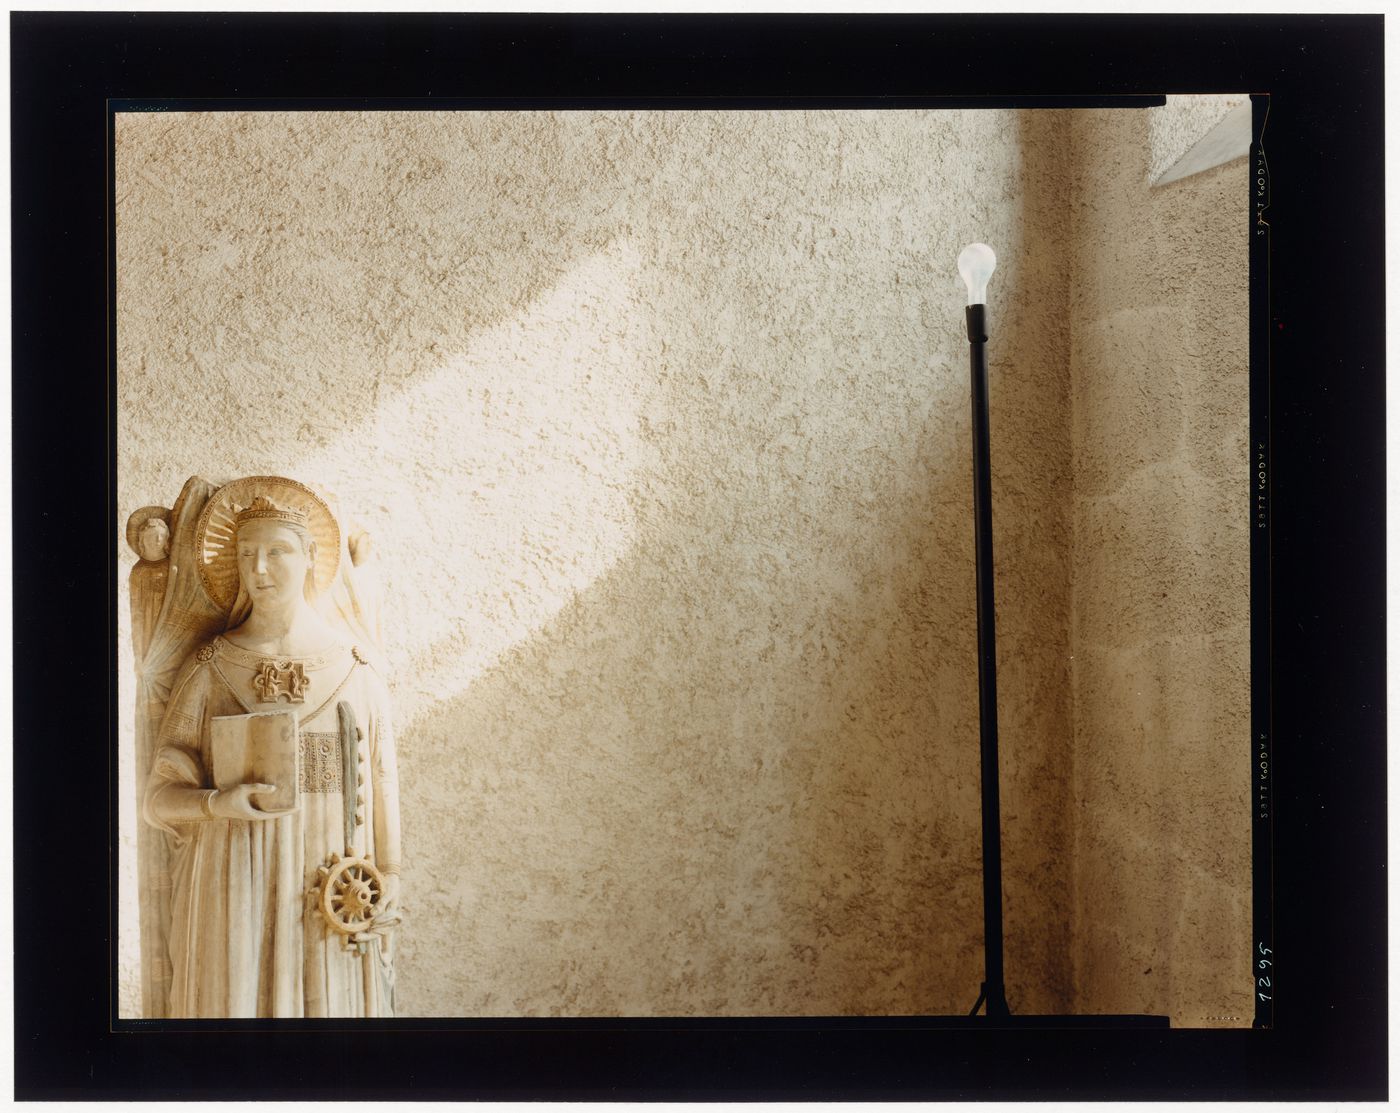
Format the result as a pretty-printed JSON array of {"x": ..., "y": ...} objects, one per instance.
[
  {"x": 139, "y": 518},
  {"x": 213, "y": 539}
]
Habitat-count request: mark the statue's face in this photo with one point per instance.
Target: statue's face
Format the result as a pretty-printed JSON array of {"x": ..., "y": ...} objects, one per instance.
[
  {"x": 272, "y": 563},
  {"x": 153, "y": 540}
]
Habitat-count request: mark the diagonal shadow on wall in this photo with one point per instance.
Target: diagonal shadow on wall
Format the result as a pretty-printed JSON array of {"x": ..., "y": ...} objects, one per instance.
[{"x": 737, "y": 774}]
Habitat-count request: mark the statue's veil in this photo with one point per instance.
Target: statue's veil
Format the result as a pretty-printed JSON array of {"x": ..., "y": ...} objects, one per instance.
[{"x": 172, "y": 615}]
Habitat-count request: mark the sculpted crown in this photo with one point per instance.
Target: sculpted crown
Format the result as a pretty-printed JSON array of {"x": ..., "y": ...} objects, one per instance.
[{"x": 263, "y": 508}]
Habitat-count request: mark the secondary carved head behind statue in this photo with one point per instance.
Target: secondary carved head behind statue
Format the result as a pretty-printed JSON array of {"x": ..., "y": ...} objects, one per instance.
[{"x": 153, "y": 540}]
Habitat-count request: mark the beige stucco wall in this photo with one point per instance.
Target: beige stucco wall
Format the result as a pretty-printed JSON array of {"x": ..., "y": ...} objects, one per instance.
[
  {"x": 1161, "y": 581},
  {"x": 660, "y": 422},
  {"x": 1177, "y": 126}
]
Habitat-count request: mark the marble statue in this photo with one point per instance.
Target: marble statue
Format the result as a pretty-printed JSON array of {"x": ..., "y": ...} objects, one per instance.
[{"x": 259, "y": 898}]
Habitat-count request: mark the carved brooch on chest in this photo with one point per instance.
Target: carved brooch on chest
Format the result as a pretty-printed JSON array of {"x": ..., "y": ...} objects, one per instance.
[{"x": 287, "y": 681}]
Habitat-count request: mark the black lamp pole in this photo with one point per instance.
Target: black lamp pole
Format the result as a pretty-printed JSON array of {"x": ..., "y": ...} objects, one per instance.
[{"x": 976, "y": 263}]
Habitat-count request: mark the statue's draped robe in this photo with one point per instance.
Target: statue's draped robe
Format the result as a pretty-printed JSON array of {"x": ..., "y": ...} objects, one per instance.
[
  {"x": 170, "y": 615},
  {"x": 247, "y": 936}
]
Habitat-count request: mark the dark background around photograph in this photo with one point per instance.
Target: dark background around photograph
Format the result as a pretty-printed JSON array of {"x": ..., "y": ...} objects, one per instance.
[{"x": 1325, "y": 152}]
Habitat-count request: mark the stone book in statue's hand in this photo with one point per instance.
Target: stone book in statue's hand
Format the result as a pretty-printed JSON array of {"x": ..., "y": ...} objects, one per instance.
[{"x": 260, "y": 748}]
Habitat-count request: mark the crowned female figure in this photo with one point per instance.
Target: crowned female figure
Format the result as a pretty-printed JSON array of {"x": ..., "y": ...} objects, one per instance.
[{"x": 277, "y": 908}]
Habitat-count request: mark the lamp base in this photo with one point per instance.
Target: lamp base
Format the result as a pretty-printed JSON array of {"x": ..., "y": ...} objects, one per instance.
[{"x": 1112, "y": 1020}]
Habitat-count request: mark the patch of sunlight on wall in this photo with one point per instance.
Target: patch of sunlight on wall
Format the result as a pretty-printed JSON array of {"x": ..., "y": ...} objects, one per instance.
[{"x": 497, "y": 486}]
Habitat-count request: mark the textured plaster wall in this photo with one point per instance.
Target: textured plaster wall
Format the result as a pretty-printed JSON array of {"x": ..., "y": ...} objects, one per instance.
[
  {"x": 1175, "y": 127},
  {"x": 660, "y": 424},
  {"x": 1161, "y": 614}
]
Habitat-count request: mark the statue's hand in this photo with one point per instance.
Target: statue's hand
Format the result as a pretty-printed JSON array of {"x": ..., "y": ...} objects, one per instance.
[
  {"x": 391, "y": 897},
  {"x": 389, "y": 915},
  {"x": 238, "y": 803}
]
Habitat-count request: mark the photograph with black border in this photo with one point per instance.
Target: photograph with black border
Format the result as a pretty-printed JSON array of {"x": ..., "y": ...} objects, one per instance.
[{"x": 1315, "y": 721}]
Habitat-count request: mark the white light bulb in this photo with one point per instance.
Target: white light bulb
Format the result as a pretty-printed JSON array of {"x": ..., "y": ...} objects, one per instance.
[{"x": 976, "y": 264}]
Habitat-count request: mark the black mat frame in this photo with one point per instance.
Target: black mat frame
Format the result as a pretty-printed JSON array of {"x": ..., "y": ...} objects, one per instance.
[{"x": 1326, "y": 470}]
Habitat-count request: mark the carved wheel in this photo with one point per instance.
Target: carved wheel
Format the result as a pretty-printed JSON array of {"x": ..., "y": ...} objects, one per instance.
[{"x": 352, "y": 892}]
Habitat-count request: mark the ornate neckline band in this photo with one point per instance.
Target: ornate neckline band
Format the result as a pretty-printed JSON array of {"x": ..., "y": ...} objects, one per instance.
[
  {"x": 274, "y": 682},
  {"x": 304, "y": 662}
]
